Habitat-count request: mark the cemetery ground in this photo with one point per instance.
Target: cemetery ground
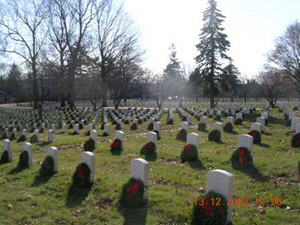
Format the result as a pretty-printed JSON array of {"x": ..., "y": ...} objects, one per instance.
[{"x": 27, "y": 198}]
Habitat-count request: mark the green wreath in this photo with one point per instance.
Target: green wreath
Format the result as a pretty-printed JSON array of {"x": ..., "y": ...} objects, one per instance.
[
  {"x": 218, "y": 117},
  {"x": 80, "y": 126},
  {"x": 241, "y": 158},
  {"x": 81, "y": 177},
  {"x": 24, "y": 160},
  {"x": 71, "y": 126},
  {"x": 150, "y": 126},
  {"x": 210, "y": 210},
  {"x": 266, "y": 121},
  {"x": 182, "y": 135},
  {"x": 4, "y": 158},
  {"x": 148, "y": 149},
  {"x": 132, "y": 195},
  {"x": 238, "y": 121},
  {"x": 33, "y": 139},
  {"x": 89, "y": 145},
  {"x": 133, "y": 126},
  {"x": 116, "y": 146},
  {"x": 214, "y": 135},
  {"x": 170, "y": 122},
  {"x": 296, "y": 140},
  {"x": 41, "y": 130},
  {"x": 4, "y": 136},
  {"x": 201, "y": 126},
  {"x": 256, "y": 136},
  {"x": 47, "y": 168},
  {"x": 12, "y": 136},
  {"x": 228, "y": 127},
  {"x": 189, "y": 153},
  {"x": 118, "y": 126}
]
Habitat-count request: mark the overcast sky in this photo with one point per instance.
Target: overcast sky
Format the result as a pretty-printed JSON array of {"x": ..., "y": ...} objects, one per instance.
[{"x": 251, "y": 26}]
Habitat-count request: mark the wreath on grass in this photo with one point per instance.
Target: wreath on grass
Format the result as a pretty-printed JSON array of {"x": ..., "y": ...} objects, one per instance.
[
  {"x": 228, "y": 127},
  {"x": 266, "y": 121},
  {"x": 102, "y": 126},
  {"x": 12, "y": 136},
  {"x": 214, "y": 135},
  {"x": 133, "y": 126},
  {"x": 118, "y": 126},
  {"x": 21, "y": 138},
  {"x": 105, "y": 134},
  {"x": 89, "y": 145},
  {"x": 132, "y": 195},
  {"x": 81, "y": 177},
  {"x": 73, "y": 133},
  {"x": 150, "y": 126},
  {"x": 116, "y": 146},
  {"x": 218, "y": 117},
  {"x": 189, "y": 153},
  {"x": 238, "y": 121},
  {"x": 241, "y": 158},
  {"x": 211, "y": 211},
  {"x": 32, "y": 130},
  {"x": 182, "y": 135},
  {"x": 4, "y": 136},
  {"x": 47, "y": 168},
  {"x": 140, "y": 121},
  {"x": 296, "y": 140},
  {"x": 24, "y": 160},
  {"x": 126, "y": 122},
  {"x": 256, "y": 136},
  {"x": 33, "y": 139},
  {"x": 87, "y": 133},
  {"x": 4, "y": 158},
  {"x": 170, "y": 122},
  {"x": 183, "y": 118},
  {"x": 71, "y": 126},
  {"x": 41, "y": 130},
  {"x": 80, "y": 126},
  {"x": 148, "y": 149}
]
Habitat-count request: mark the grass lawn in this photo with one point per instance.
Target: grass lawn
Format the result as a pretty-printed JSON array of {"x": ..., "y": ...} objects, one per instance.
[{"x": 26, "y": 198}]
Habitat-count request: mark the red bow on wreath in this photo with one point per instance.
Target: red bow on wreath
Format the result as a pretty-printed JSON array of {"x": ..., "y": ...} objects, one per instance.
[
  {"x": 131, "y": 190},
  {"x": 253, "y": 134},
  {"x": 228, "y": 125},
  {"x": 242, "y": 154},
  {"x": 79, "y": 168},
  {"x": 147, "y": 147},
  {"x": 205, "y": 207},
  {"x": 115, "y": 144},
  {"x": 187, "y": 149},
  {"x": 298, "y": 140},
  {"x": 89, "y": 143}
]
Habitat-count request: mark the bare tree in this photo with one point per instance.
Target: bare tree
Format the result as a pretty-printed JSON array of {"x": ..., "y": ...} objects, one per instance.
[
  {"x": 23, "y": 34},
  {"x": 286, "y": 56}
]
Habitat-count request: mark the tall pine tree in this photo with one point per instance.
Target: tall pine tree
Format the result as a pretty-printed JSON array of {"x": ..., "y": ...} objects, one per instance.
[{"x": 212, "y": 47}]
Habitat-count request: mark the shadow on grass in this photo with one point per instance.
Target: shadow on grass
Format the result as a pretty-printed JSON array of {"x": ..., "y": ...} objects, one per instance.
[
  {"x": 134, "y": 216},
  {"x": 197, "y": 164},
  {"x": 254, "y": 173},
  {"x": 76, "y": 195},
  {"x": 266, "y": 133},
  {"x": 43, "y": 144},
  {"x": 264, "y": 145},
  {"x": 39, "y": 180},
  {"x": 61, "y": 132},
  {"x": 16, "y": 170},
  {"x": 232, "y": 132},
  {"x": 116, "y": 152},
  {"x": 203, "y": 131}
]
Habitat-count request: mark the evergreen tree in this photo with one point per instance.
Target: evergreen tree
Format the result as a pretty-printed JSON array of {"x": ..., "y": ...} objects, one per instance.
[
  {"x": 173, "y": 75},
  {"x": 14, "y": 86},
  {"x": 230, "y": 80},
  {"x": 212, "y": 49}
]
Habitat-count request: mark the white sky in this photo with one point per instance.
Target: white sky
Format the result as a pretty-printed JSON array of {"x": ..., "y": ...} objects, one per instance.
[{"x": 251, "y": 26}]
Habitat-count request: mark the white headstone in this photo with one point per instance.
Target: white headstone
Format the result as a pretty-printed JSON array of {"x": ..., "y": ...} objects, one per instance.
[
  {"x": 94, "y": 135},
  {"x": 217, "y": 126},
  {"x": 53, "y": 127},
  {"x": 203, "y": 119},
  {"x": 50, "y": 136},
  {"x": 53, "y": 152},
  {"x": 120, "y": 135},
  {"x": 90, "y": 127},
  {"x": 152, "y": 137},
  {"x": 139, "y": 170},
  {"x": 36, "y": 132},
  {"x": 297, "y": 128},
  {"x": 106, "y": 128},
  {"x": 294, "y": 122},
  {"x": 184, "y": 126},
  {"x": 6, "y": 147},
  {"x": 256, "y": 126},
  {"x": 28, "y": 149},
  {"x": 230, "y": 119},
  {"x": 25, "y": 133},
  {"x": 76, "y": 128},
  {"x": 156, "y": 127},
  {"x": 189, "y": 119},
  {"x": 89, "y": 159},
  {"x": 193, "y": 139},
  {"x": 221, "y": 182},
  {"x": 239, "y": 116},
  {"x": 64, "y": 127},
  {"x": 262, "y": 122},
  {"x": 245, "y": 140}
]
